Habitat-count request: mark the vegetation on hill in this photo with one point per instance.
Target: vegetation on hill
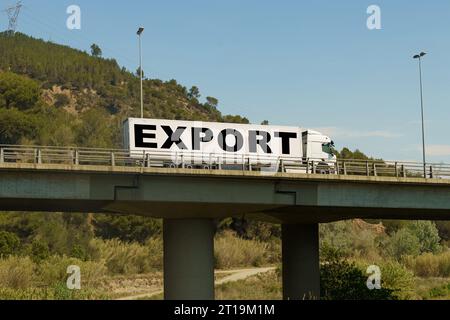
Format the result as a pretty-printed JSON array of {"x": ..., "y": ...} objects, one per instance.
[{"x": 55, "y": 95}]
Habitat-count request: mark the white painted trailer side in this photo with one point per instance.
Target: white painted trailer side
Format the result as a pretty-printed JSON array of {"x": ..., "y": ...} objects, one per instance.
[{"x": 211, "y": 142}]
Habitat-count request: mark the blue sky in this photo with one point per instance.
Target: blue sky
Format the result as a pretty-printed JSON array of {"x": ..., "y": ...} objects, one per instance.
[{"x": 311, "y": 63}]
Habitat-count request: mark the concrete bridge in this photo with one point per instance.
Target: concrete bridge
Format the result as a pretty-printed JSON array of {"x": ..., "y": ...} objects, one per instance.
[{"x": 190, "y": 199}]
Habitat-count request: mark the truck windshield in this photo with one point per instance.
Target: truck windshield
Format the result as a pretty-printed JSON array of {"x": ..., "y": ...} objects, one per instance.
[{"x": 328, "y": 147}]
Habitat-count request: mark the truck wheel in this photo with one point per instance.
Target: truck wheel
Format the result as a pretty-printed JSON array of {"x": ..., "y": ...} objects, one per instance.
[
  {"x": 323, "y": 168},
  {"x": 173, "y": 166}
]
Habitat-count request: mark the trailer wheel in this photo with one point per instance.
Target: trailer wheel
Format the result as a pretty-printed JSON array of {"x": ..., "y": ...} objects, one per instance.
[
  {"x": 173, "y": 166},
  {"x": 206, "y": 167},
  {"x": 188, "y": 166},
  {"x": 323, "y": 168}
]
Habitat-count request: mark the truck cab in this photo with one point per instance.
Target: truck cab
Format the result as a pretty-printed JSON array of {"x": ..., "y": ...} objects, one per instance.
[{"x": 318, "y": 147}]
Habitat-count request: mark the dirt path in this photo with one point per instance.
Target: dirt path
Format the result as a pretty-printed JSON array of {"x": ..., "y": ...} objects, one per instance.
[
  {"x": 234, "y": 275},
  {"x": 242, "y": 274}
]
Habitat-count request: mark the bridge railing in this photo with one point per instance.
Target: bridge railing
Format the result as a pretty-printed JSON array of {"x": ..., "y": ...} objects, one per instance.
[{"x": 208, "y": 161}]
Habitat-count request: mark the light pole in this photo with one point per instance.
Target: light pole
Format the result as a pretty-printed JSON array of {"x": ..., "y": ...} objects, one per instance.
[
  {"x": 420, "y": 56},
  {"x": 141, "y": 75}
]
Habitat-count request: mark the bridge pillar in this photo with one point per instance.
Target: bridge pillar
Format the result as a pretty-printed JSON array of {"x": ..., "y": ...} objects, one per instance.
[
  {"x": 188, "y": 259},
  {"x": 300, "y": 254}
]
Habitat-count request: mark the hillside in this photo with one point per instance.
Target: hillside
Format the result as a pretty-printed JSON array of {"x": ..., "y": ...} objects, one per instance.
[{"x": 55, "y": 95}]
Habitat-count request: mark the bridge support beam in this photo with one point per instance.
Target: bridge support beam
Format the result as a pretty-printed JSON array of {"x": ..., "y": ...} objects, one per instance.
[
  {"x": 300, "y": 252},
  {"x": 188, "y": 259}
]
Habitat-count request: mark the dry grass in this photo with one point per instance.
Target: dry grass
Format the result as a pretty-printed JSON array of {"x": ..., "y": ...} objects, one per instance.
[
  {"x": 23, "y": 279},
  {"x": 54, "y": 269},
  {"x": 425, "y": 286},
  {"x": 129, "y": 258},
  {"x": 232, "y": 252},
  {"x": 430, "y": 265},
  {"x": 16, "y": 272}
]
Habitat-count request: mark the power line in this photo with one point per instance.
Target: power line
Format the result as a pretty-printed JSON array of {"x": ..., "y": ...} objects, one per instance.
[{"x": 13, "y": 15}]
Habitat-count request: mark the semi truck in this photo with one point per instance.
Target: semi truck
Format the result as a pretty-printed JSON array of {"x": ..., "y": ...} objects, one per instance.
[{"x": 214, "y": 145}]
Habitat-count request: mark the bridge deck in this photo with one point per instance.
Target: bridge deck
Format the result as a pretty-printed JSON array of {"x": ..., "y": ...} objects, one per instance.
[
  {"x": 194, "y": 193},
  {"x": 282, "y": 176}
]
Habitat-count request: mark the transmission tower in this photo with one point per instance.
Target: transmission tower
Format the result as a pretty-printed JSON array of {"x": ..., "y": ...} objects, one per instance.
[{"x": 13, "y": 14}]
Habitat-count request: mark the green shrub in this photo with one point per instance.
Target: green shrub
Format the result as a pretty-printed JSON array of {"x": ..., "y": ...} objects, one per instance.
[
  {"x": 250, "y": 229},
  {"x": 127, "y": 228},
  {"x": 79, "y": 252},
  {"x": 15, "y": 126},
  {"x": 25, "y": 294},
  {"x": 61, "y": 100},
  {"x": 9, "y": 244},
  {"x": 351, "y": 240},
  {"x": 440, "y": 292},
  {"x": 444, "y": 230},
  {"x": 39, "y": 250},
  {"x": 403, "y": 243},
  {"x": 428, "y": 235},
  {"x": 18, "y": 91},
  {"x": 415, "y": 238},
  {"x": 341, "y": 279},
  {"x": 398, "y": 279}
]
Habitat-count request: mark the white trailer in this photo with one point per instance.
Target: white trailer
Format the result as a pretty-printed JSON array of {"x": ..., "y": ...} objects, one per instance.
[{"x": 197, "y": 144}]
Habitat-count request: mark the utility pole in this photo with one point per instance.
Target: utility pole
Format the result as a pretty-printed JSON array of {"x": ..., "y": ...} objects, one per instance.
[
  {"x": 141, "y": 73},
  {"x": 13, "y": 14},
  {"x": 420, "y": 56}
]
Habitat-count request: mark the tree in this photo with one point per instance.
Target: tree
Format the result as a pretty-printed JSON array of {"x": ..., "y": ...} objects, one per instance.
[
  {"x": 16, "y": 125},
  {"x": 427, "y": 234},
  {"x": 343, "y": 280},
  {"x": 95, "y": 50},
  {"x": 415, "y": 238},
  {"x": 18, "y": 91},
  {"x": 194, "y": 92},
  {"x": 212, "y": 102},
  {"x": 265, "y": 123},
  {"x": 444, "y": 230},
  {"x": 403, "y": 243},
  {"x": 235, "y": 119},
  {"x": 61, "y": 100},
  {"x": 9, "y": 244},
  {"x": 346, "y": 153},
  {"x": 138, "y": 73},
  {"x": 95, "y": 131},
  {"x": 126, "y": 227}
]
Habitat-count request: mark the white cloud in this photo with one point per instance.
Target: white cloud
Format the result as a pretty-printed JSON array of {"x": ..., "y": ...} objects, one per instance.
[{"x": 347, "y": 133}]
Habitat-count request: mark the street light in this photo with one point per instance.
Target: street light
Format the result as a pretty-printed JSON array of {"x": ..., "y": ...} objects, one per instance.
[
  {"x": 141, "y": 75},
  {"x": 420, "y": 56}
]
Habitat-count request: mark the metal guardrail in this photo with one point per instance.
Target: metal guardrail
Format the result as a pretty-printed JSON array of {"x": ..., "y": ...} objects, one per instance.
[{"x": 199, "y": 160}]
